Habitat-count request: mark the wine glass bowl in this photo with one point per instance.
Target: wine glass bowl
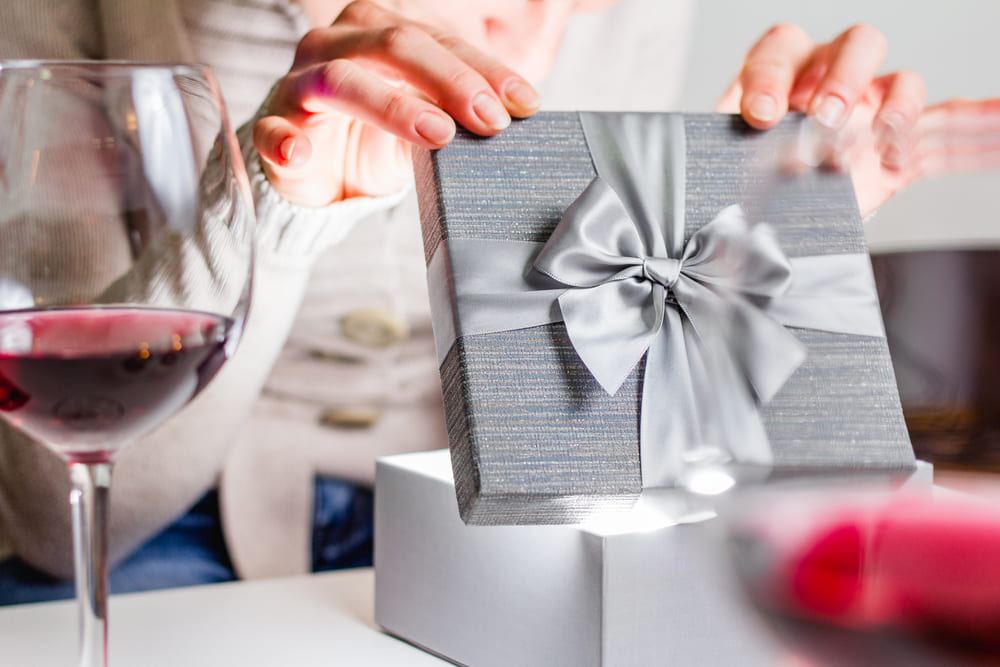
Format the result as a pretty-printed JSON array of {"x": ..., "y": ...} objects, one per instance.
[
  {"x": 857, "y": 572},
  {"x": 126, "y": 262},
  {"x": 852, "y": 569},
  {"x": 87, "y": 381}
]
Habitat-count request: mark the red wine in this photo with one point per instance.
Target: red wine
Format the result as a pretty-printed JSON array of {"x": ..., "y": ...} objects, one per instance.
[
  {"x": 86, "y": 381},
  {"x": 905, "y": 579}
]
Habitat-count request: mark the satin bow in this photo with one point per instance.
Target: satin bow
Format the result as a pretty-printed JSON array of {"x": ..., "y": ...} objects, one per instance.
[{"x": 622, "y": 281}]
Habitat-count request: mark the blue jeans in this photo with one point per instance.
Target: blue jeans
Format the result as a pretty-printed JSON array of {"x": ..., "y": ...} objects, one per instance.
[{"x": 192, "y": 551}]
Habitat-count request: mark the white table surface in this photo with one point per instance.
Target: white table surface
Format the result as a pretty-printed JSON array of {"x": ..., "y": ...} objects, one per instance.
[{"x": 321, "y": 619}]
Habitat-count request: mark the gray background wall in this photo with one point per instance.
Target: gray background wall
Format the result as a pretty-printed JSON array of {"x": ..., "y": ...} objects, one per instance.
[{"x": 954, "y": 44}]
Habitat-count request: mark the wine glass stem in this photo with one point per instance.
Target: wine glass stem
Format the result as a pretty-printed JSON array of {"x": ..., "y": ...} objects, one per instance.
[{"x": 89, "y": 499}]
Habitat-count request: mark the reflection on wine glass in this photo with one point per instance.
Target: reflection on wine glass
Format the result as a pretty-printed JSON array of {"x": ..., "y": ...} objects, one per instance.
[{"x": 126, "y": 254}]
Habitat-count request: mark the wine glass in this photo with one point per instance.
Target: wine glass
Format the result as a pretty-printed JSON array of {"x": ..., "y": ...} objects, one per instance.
[
  {"x": 126, "y": 255},
  {"x": 852, "y": 572},
  {"x": 869, "y": 569}
]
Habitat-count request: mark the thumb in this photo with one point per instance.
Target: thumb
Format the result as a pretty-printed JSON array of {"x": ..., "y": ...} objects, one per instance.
[{"x": 281, "y": 144}]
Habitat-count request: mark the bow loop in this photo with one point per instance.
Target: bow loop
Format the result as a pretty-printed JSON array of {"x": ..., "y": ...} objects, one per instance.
[
  {"x": 595, "y": 242},
  {"x": 731, "y": 254}
]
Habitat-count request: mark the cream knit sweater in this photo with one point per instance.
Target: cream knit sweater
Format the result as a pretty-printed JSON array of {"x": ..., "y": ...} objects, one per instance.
[{"x": 259, "y": 429}]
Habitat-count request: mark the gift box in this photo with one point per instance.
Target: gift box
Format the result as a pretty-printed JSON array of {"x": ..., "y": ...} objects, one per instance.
[
  {"x": 615, "y": 304},
  {"x": 652, "y": 585}
]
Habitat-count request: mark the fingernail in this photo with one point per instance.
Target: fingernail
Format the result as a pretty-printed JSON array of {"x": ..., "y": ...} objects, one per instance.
[
  {"x": 892, "y": 121},
  {"x": 763, "y": 107},
  {"x": 490, "y": 112},
  {"x": 286, "y": 148},
  {"x": 291, "y": 157},
  {"x": 891, "y": 139},
  {"x": 434, "y": 127},
  {"x": 522, "y": 95},
  {"x": 893, "y": 156},
  {"x": 830, "y": 111}
]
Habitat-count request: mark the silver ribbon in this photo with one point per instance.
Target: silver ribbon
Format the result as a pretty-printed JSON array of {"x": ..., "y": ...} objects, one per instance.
[{"x": 709, "y": 314}]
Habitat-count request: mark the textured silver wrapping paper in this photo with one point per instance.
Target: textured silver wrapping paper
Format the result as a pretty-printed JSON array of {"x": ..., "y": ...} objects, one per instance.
[{"x": 534, "y": 439}]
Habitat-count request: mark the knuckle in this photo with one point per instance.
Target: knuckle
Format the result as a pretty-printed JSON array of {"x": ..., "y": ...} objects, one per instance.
[
  {"x": 842, "y": 85},
  {"x": 864, "y": 31},
  {"x": 360, "y": 12},
  {"x": 867, "y": 34},
  {"x": 465, "y": 81},
  {"x": 309, "y": 46},
  {"x": 784, "y": 31},
  {"x": 912, "y": 79},
  {"x": 449, "y": 40},
  {"x": 395, "y": 106},
  {"x": 336, "y": 74},
  {"x": 911, "y": 91},
  {"x": 915, "y": 83},
  {"x": 398, "y": 39},
  {"x": 763, "y": 70}
]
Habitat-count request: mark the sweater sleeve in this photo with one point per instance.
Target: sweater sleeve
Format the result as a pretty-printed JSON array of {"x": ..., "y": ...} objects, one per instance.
[{"x": 289, "y": 233}]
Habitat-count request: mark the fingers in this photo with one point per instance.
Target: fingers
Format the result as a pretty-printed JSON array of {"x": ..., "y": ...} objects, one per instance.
[
  {"x": 786, "y": 70},
  {"x": 412, "y": 56},
  {"x": 344, "y": 86},
  {"x": 281, "y": 143},
  {"x": 853, "y": 62},
  {"x": 959, "y": 135},
  {"x": 365, "y": 88},
  {"x": 519, "y": 97},
  {"x": 866, "y": 122},
  {"x": 769, "y": 73},
  {"x": 964, "y": 117},
  {"x": 380, "y": 177},
  {"x": 369, "y": 50},
  {"x": 895, "y": 122},
  {"x": 287, "y": 151},
  {"x": 286, "y": 156}
]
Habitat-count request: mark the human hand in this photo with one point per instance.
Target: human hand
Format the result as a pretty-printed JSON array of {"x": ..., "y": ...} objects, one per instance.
[
  {"x": 362, "y": 90},
  {"x": 874, "y": 124},
  {"x": 953, "y": 136},
  {"x": 835, "y": 83},
  {"x": 787, "y": 71}
]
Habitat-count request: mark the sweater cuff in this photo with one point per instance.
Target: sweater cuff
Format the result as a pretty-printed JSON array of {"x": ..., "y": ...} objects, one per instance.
[{"x": 287, "y": 231}]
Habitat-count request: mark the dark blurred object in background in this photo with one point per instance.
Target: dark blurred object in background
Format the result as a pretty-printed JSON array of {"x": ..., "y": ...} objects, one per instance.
[{"x": 942, "y": 318}]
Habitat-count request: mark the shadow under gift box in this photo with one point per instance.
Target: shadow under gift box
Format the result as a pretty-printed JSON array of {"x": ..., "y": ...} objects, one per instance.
[{"x": 534, "y": 438}]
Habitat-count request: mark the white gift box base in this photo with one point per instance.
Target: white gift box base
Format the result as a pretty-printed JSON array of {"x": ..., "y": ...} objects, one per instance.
[{"x": 647, "y": 589}]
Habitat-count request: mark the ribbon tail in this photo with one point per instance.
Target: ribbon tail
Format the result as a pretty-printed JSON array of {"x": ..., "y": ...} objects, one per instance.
[
  {"x": 668, "y": 418},
  {"x": 735, "y": 431},
  {"x": 834, "y": 293},
  {"x": 766, "y": 353},
  {"x": 696, "y": 410}
]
